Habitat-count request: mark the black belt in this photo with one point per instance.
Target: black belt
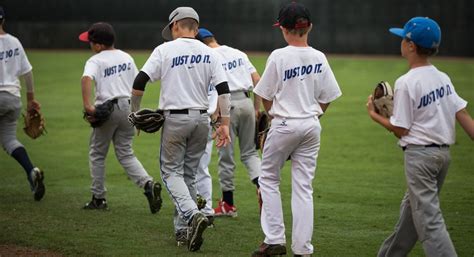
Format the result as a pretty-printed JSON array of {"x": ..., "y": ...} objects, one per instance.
[
  {"x": 185, "y": 111},
  {"x": 431, "y": 145}
]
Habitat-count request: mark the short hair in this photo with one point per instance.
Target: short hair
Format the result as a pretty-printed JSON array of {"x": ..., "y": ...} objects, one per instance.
[
  {"x": 301, "y": 31},
  {"x": 188, "y": 23},
  {"x": 423, "y": 51}
]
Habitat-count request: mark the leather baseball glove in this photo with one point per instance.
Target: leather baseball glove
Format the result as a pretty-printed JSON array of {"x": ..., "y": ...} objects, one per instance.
[
  {"x": 101, "y": 115},
  {"x": 34, "y": 123},
  {"x": 383, "y": 99},
  {"x": 261, "y": 129},
  {"x": 147, "y": 120}
]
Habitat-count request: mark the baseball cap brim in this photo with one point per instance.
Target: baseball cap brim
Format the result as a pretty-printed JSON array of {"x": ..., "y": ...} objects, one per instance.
[
  {"x": 84, "y": 36},
  {"x": 397, "y": 31},
  {"x": 166, "y": 32}
]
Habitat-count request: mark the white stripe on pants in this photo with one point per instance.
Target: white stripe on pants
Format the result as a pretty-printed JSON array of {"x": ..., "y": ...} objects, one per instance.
[{"x": 299, "y": 138}]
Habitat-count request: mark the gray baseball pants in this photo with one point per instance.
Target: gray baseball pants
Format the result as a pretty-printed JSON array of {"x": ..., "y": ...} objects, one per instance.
[
  {"x": 420, "y": 214},
  {"x": 242, "y": 125},
  {"x": 183, "y": 141},
  {"x": 10, "y": 109},
  {"x": 204, "y": 179},
  {"x": 119, "y": 131}
]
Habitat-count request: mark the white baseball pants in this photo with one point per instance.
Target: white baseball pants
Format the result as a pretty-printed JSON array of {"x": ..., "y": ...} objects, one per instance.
[{"x": 299, "y": 138}]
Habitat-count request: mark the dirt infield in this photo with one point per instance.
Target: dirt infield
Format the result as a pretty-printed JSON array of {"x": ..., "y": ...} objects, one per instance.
[{"x": 13, "y": 250}]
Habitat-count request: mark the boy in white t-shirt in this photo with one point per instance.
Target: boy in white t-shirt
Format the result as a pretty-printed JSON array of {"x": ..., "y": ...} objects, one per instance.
[
  {"x": 186, "y": 68},
  {"x": 426, "y": 107},
  {"x": 296, "y": 88},
  {"x": 242, "y": 77},
  {"x": 113, "y": 72},
  {"x": 15, "y": 64}
]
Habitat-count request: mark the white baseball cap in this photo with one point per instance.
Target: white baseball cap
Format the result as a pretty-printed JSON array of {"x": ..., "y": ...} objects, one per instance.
[{"x": 176, "y": 15}]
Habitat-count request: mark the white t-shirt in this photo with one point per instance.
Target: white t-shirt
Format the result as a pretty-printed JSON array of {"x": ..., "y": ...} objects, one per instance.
[
  {"x": 13, "y": 64},
  {"x": 297, "y": 79},
  {"x": 186, "y": 67},
  {"x": 426, "y": 103},
  {"x": 113, "y": 72},
  {"x": 238, "y": 68}
]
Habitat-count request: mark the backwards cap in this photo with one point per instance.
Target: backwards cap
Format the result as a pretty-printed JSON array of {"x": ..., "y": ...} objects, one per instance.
[
  {"x": 100, "y": 32},
  {"x": 290, "y": 14},
  {"x": 423, "y": 31},
  {"x": 176, "y": 15}
]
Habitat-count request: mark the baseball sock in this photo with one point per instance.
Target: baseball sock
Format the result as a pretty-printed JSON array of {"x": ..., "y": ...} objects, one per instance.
[
  {"x": 22, "y": 158},
  {"x": 228, "y": 197}
]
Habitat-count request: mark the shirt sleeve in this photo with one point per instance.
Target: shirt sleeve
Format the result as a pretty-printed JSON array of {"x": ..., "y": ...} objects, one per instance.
[
  {"x": 328, "y": 87},
  {"x": 218, "y": 73},
  {"x": 153, "y": 65},
  {"x": 267, "y": 86},
  {"x": 402, "y": 107},
  {"x": 249, "y": 65},
  {"x": 25, "y": 65},
  {"x": 458, "y": 102},
  {"x": 91, "y": 69}
]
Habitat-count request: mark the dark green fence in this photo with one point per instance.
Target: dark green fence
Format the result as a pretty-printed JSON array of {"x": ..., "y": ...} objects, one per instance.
[{"x": 340, "y": 26}]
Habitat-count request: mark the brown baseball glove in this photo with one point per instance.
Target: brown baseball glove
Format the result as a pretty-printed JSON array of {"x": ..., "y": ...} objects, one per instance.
[
  {"x": 147, "y": 120},
  {"x": 383, "y": 99},
  {"x": 261, "y": 129},
  {"x": 34, "y": 123}
]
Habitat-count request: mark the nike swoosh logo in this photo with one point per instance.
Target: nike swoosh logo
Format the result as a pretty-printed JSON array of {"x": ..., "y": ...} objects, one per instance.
[{"x": 190, "y": 67}]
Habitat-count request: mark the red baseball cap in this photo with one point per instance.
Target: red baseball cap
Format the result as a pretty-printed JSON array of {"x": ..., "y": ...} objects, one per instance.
[{"x": 100, "y": 32}]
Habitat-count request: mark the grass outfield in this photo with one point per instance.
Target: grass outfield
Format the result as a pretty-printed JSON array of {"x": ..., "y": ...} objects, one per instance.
[{"x": 357, "y": 191}]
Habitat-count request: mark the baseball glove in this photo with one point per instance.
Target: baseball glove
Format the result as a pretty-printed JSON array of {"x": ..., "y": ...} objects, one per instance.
[
  {"x": 261, "y": 129},
  {"x": 101, "y": 115},
  {"x": 34, "y": 123},
  {"x": 147, "y": 120},
  {"x": 383, "y": 99}
]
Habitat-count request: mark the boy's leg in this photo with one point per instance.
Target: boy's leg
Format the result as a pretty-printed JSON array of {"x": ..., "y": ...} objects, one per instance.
[{"x": 426, "y": 169}]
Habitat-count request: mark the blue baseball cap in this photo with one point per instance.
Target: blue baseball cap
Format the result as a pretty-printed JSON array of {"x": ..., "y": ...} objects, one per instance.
[
  {"x": 423, "y": 31},
  {"x": 2, "y": 13},
  {"x": 203, "y": 33}
]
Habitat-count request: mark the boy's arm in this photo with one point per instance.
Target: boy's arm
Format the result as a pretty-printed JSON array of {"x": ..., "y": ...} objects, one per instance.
[
  {"x": 466, "y": 122},
  {"x": 86, "y": 85},
  {"x": 257, "y": 100},
  {"x": 30, "y": 92},
  {"x": 385, "y": 122}
]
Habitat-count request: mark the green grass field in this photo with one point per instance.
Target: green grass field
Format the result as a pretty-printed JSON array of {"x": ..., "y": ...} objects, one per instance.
[{"x": 357, "y": 191}]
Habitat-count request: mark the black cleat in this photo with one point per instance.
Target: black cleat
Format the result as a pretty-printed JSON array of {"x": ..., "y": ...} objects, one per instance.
[
  {"x": 38, "y": 185},
  {"x": 96, "y": 204},
  {"x": 153, "y": 195},
  {"x": 182, "y": 237},
  {"x": 265, "y": 250},
  {"x": 210, "y": 221},
  {"x": 199, "y": 223}
]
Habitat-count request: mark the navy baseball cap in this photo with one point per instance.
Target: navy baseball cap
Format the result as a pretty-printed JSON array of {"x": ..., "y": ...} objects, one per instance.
[
  {"x": 100, "y": 32},
  {"x": 289, "y": 16},
  {"x": 204, "y": 33},
  {"x": 423, "y": 31},
  {"x": 2, "y": 13}
]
